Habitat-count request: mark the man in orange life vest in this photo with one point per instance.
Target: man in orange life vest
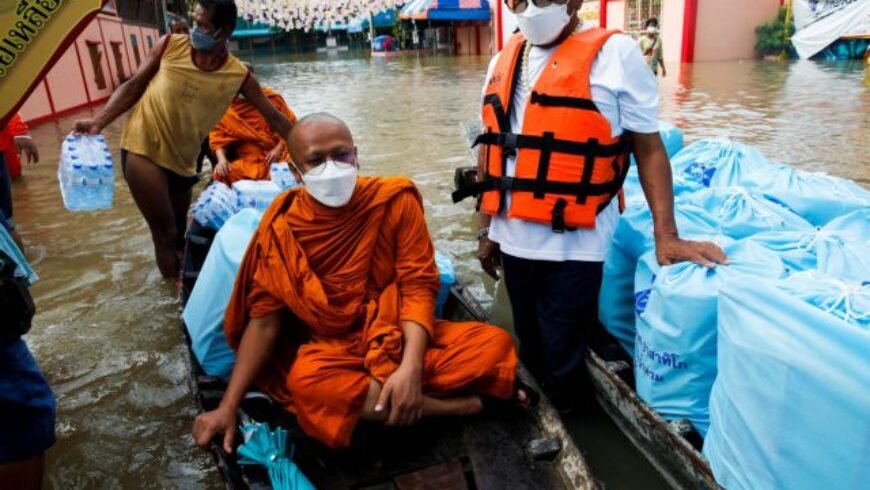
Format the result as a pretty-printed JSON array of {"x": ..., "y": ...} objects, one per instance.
[{"x": 564, "y": 105}]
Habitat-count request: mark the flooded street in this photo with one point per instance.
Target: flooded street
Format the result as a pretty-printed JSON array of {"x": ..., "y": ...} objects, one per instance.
[{"x": 106, "y": 333}]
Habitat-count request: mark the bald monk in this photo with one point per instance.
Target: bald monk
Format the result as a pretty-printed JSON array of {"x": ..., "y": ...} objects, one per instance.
[
  {"x": 244, "y": 143},
  {"x": 333, "y": 311}
]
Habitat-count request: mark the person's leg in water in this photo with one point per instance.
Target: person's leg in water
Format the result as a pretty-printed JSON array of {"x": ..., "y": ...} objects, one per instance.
[
  {"x": 149, "y": 185},
  {"x": 180, "y": 198}
]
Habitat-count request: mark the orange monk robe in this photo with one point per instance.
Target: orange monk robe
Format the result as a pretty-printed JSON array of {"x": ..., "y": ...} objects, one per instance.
[
  {"x": 350, "y": 276},
  {"x": 15, "y": 127},
  {"x": 244, "y": 132}
]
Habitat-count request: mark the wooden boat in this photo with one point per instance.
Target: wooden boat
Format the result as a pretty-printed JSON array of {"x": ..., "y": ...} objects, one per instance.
[
  {"x": 509, "y": 448},
  {"x": 672, "y": 448}
]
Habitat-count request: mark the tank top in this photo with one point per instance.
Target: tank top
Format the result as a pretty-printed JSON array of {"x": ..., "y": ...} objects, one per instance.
[{"x": 181, "y": 104}]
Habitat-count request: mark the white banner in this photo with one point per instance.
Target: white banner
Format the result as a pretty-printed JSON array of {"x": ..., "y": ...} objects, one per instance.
[
  {"x": 843, "y": 18},
  {"x": 807, "y": 12}
]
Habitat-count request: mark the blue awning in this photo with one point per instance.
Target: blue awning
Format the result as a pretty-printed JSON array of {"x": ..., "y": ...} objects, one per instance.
[
  {"x": 449, "y": 10},
  {"x": 387, "y": 18}
]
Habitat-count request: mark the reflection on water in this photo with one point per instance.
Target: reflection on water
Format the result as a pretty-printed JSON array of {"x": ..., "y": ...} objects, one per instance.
[{"x": 106, "y": 332}]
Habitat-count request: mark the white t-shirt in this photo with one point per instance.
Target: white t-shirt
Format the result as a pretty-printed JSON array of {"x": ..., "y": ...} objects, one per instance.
[{"x": 626, "y": 93}]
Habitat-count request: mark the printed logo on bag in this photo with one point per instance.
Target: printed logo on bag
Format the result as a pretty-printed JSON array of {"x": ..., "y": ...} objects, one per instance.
[
  {"x": 699, "y": 172},
  {"x": 641, "y": 298}
]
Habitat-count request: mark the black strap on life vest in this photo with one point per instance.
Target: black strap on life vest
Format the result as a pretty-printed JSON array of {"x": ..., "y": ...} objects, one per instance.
[
  {"x": 513, "y": 141},
  {"x": 545, "y": 100}
]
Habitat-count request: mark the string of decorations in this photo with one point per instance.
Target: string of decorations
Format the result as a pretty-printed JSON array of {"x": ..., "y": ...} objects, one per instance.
[{"x": 308, "y": 14}]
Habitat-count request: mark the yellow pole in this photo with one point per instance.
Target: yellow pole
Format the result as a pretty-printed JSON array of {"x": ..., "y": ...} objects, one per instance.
[{"x": 784, "y": 54}]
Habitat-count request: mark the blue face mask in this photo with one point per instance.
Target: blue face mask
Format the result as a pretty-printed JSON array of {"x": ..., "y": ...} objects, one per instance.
[{"x": 201, "y": 41}]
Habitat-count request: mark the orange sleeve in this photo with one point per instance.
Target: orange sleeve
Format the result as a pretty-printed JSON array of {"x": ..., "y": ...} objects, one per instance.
[
  {"x": 262, "y": 303},
  {"x": 17, "y": 127},
  {"x": 416, "y": 273}
]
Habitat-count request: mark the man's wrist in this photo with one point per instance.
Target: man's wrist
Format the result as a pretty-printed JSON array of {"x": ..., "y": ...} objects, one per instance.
[{"x": 482, "y": 233}]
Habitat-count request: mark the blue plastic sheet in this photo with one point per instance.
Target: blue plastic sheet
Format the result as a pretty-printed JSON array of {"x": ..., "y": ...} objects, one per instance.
[
  {"x": 789, "y": 407},
  {"x": 204, "y": 313},
  {"x": 676, "y": 306},
  {"x": 634, "y": 237},
  {"x": 741, "y": 214},
  {"x": 8, "y": 245}
]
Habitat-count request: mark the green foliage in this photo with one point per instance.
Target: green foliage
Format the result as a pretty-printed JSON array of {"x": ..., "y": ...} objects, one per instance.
[{"x": 772, "y": 38}]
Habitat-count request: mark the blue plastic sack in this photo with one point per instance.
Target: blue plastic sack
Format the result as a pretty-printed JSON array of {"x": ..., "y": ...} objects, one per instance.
[
  {"x": 204, "y": 313},
  {"x": 447, "y": 275},
  {"x": 852, "y": 227},
  {"x": 632, "y": 238},
  {"x": 721, "y": 162},
  {"x": 741, "y": 214},
  {"x": 672, "y": 138},
  {"x": 675, "y": 350},
  {"x": 23, "y": 269},
  {"x": 816, "y": 197},
  {"x": 789, "y": 407}
]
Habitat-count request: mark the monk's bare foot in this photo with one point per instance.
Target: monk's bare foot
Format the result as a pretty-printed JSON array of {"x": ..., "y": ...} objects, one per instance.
[
  {"x": 473, "y": 405},
  {"x": 522, "y": 398}
]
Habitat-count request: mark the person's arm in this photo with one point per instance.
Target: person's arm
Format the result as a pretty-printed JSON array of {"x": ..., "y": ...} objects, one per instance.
[
  {"x": 255, "y": 349},
  {"x": 276, "y": 153},
  {"x": 277, "y": 121},
  {"x": 657, "y": 182},
  {"x": 126, "y": 95},
  {"x": 222, "y": 167},
  {"x": 488, "y": 252}
]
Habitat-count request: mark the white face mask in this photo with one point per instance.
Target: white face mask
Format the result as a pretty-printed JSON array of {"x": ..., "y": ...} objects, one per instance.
[
  {"x": 331, "y": 183},
  {"x": 541, "y": 26}
]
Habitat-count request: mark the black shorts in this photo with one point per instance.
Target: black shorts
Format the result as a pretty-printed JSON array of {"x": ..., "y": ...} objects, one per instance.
[{"x": 177, "y": 183}]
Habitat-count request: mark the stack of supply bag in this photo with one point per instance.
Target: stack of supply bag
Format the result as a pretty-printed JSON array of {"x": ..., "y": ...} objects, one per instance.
[
  {"x": 204, "y": 313},
  {"x": 633, "y": 237},
  {"x": 675, "y": 350},
  {"x": 791, "y": 405},
  {"x": 86, "y": 173}
]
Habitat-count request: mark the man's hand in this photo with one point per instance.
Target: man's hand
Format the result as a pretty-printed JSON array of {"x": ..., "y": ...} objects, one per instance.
[
  {"x": 222, "y": 169},
  {"x": 672, "y": 250},
  {"x": 209, "y": 425},
  {"x": 275, "y": 155},
  {"x": 489, "y": 255},
  {"x": 27, "y": 148},
  {"x": 402, "y": 395},
  {"x": 87, "y": 126}
]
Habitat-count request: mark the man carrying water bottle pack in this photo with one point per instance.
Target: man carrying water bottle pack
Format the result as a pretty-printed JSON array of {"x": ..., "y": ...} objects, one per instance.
[
  {"x": 180, "y": 93},
  {"x": 564, "y": 106}
]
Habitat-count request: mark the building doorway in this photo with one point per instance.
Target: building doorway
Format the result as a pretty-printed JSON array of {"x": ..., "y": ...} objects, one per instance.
[{"x": 638, "y": 11}]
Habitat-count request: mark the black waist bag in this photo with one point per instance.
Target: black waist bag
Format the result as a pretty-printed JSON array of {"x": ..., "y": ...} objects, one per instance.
[{"x": 16, "y": 303}]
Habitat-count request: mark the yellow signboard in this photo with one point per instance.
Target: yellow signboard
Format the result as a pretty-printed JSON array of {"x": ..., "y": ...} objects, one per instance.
[{"x": 33, "y": 35}]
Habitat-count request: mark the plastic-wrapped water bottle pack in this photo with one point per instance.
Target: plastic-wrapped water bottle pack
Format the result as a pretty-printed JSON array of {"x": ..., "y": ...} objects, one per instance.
[{"x": 86, "y": 173}]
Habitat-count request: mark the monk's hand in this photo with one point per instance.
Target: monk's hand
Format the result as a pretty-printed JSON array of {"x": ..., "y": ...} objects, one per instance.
[
  {"x": 673, "y": 250},
  {"x": 275, "y": 155},
  {"x": 489, "y": 255},
  {"x": 87, "y": 126},
  {"x": 222, "y": 169},
  {"x": 402, "y": 395},
  {"x": 209, "y": 425}
]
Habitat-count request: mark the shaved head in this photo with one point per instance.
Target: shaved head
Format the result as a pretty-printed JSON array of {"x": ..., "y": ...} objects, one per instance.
[{"x": 319, "y": 137}]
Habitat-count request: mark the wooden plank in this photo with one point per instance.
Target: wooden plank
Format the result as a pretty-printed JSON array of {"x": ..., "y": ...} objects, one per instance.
[
  {"x": 673, "y": 457},
  {"x": 496, "y": 445},
  {"x": 447, "y": 476}
]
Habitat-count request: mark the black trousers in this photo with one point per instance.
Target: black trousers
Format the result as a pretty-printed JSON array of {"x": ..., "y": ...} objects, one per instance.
[{"x": 555, "y": 311}]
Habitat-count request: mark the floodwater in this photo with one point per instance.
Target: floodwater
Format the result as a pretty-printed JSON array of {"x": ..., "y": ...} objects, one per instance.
[{"x": 106, "y": 333}]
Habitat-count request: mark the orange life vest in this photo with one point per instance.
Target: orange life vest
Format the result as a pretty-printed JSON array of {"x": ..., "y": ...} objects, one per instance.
[{"x": 569, "y": 166}]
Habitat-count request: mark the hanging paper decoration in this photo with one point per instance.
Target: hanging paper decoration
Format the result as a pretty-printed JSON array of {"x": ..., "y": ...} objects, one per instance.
[{"x": 307, "y": 14}]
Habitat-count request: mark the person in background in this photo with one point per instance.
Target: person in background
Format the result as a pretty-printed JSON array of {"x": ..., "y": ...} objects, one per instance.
[
  {"x": 180, "y": 93},
  {"x": 564, "y": 106},
  {"x": 651, "y": 46},
  {"x": 244, "y": 143},
  {"x": 15, "y": 141},
  {"x": 179, "y": 26},
  {"x": 333, "y": 311},
  {"x": 27, "y": 405}
]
